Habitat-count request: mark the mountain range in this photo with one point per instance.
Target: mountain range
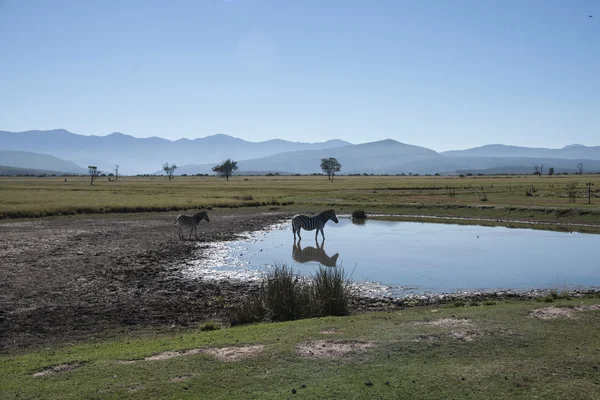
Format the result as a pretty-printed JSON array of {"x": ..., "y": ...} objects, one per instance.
[{"x": 49, "y": 150}]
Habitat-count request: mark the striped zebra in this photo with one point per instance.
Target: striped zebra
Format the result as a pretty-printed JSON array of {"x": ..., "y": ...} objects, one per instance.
[
  {"x": 311, "y": 223},
  {"x": 317, "y": 254},
  {"x": 191, "y": 223}
]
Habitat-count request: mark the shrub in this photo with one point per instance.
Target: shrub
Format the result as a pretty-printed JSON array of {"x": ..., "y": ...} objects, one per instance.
[
  {"x": 359, "y": 214},
  {"x": 210, "y": 326},
  {"x": 284, "y": 295}
]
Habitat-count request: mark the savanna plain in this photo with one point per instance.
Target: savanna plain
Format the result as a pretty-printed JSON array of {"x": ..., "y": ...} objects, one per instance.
[{"x": 93, "y": 305}]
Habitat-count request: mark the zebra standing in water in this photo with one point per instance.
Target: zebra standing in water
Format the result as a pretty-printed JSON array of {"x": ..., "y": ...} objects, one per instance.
[
  {"x": 311, "y": 223},
  {"x": 190, "y": 223}
]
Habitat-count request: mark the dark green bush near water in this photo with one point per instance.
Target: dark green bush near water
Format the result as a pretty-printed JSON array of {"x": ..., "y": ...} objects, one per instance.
[{"x": 284, "y": 295}]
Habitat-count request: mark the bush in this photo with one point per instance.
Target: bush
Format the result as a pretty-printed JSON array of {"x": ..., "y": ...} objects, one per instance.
[
  {"x": 210, "y": 326},
  {"x": 284, "y": 295},
  {"x": 359, "y": 214}
]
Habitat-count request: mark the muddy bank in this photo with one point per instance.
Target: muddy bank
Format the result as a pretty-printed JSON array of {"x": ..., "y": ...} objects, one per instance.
[
  {"x": 69, "y": 279},
  {"x": 74, "y": 278}
]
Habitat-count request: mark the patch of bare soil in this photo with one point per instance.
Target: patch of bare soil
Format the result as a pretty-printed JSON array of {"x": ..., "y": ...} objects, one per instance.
[
  {"x": 561, "y": 312},
  {"x": 182, "y": 378},
  {"x": 224, "y": 354},
  {"x": 331, "y": 349},
  {"x": 67, "y": 279},
  {"x": 447, "y": 322},
  {"x": 57, "y": 369},
  {"x": 331, "y": 331},
  {"x": 464, "y": 336},
  {"x": 431, "y": 338},
  {"x": 230, "y": 354}
]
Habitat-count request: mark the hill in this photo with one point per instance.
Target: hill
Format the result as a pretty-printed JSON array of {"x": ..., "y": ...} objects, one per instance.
[
  {"x": 374, "y": 157},
  {"x": 140, "y": 155},
  {"x": 573, "y": 152},
  {"x": 37, "y": 161}
]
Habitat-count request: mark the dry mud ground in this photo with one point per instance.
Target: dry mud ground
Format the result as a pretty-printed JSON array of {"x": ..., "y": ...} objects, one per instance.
[{"x": 68, "y": 279}]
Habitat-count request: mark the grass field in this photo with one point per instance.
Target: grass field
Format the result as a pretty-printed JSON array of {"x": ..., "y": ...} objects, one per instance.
[
  {"x": 479, "y": 351},
  {"x": 486, "y": 197}
]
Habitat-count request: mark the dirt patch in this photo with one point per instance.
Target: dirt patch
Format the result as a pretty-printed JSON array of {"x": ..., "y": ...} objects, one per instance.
[
  {"x": 331, "y": 349},
  {"x": 561, "y": 312},
  {"x": 230, "y": 354},
  {"x": 57, "y": 369},
  {"x": 224, "y": 354},
  {"x": 180, "y": 378},
  {"x": 446, "y": 323},
  {"x": 330, "y": 331},
  {"x": 464, "y": 336},
  {"x": 432, "y": 338},
  {"x": 68, "y": 279}
]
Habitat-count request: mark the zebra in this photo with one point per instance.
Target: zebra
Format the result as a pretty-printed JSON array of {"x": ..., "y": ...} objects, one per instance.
[
  {"x": 310, "y": 223},
  {"x": 310, "y": 253},
  {"x": 190, "y": 222}
]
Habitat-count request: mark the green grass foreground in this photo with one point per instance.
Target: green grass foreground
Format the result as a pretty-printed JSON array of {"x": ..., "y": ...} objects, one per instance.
[
  {"x": 525, "y": 198},
  {"x": 487, "y": 351}
]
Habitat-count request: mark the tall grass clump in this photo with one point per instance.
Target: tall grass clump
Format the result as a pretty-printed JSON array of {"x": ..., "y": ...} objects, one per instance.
[
  {"x": 284, "y": 295},
  {"x": 330, "y": 291}
]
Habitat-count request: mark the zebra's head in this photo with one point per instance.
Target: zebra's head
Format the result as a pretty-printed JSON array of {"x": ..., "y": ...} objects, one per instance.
[
  {"x": 331, "y": 215},
  {"x": 203, "y": 215}
]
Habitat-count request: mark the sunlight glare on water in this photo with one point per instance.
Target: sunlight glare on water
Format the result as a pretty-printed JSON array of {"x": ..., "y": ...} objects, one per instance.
[{"x": 412, "y": 257}]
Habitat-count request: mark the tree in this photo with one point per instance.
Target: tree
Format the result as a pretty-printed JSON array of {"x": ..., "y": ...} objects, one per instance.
[
  {"x": 94, "y": 173},
  {"x": 536, "y": 169},
  {"x": 169, "y": 169},
  {"x": 580, "y": 168},
  {"x": 116, "y": 174},
  {"x": 226, "y": 168},
  {"x": 551, "y": 171},
  {"x": 330, "y": 166}
]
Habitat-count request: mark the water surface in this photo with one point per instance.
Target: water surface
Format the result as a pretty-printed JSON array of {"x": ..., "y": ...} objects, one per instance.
[{"x": 401, "y": 258}]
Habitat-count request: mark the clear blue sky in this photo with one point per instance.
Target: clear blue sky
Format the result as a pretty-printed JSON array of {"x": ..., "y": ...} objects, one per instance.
[{"x": 444, "y": 74}]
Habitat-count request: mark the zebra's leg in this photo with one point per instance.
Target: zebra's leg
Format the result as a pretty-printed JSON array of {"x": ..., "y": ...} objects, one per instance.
[
  {"x": 196, "y": 231},
  {"x": 299, "y": 237},
  {"x": 180, "y": 232}
]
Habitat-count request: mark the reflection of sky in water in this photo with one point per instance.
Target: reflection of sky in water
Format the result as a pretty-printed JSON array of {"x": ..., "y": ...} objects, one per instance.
[{"x": 401, "y": 258}]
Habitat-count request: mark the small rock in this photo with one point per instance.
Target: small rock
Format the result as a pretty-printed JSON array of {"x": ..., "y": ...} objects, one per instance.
[
  {"x": 294, "y": 391},
  {"x": 369, "y": 383},
  {"x": 303, "y": 386}
]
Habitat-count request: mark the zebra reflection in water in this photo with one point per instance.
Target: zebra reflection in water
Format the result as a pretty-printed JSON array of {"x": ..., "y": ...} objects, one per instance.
[{"x": 310, "y": 253}]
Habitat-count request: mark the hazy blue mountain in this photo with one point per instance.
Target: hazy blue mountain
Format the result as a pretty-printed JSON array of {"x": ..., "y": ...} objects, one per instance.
[
  {"x": 14, "y": 171},
  {"x": 389, "y": 157},
  {"x": 135, "y": 155},
  {"x": 520, "y": 165},
  {"x": 29, "y": 160},
  {"x": 575, "y": 151},
  {"x": 374, "y": 157}
]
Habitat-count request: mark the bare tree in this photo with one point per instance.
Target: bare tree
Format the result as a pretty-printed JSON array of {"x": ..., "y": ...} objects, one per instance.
[
  {"x": 226, "y": 168},
  {"x": 94, "y": 173},
  {"x": 116, "y": 174},
  {"x": 579, "y": 168},
  {"x": 536, "y": 170},
  {"x": 330, "y": 166},
  {"x": 169, "y": 169}
]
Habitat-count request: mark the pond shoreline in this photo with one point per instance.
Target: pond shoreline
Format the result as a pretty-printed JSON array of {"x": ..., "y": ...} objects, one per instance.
[{"x": 73, "y": 279}]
